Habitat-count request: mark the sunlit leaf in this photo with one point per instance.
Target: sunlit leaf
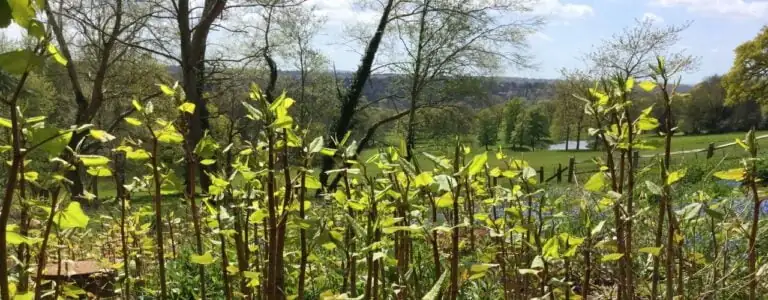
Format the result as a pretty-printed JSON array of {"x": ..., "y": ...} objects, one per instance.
[
  {"x": 101, "y": 135},
  {"x": 187, "y": 107},
  {"x": 477, "y": 164},
  {"x": 16, "y": 62},
  {"x": 647, "y": 85},
  {"x": 650, "y": 250},
  {"x": 316, "y": 145},
  {"x": 732, "y": 174},
  {"x": 93, "y": 160},
  {"x": 423, "y": 179},
  {"x": 71, "y": 217},
  {"x": 612, "y": 257},
  {"x": 445, "y": 201},
  {"x": 595, "y": 183},
  {"x": 675, "y": 176},
  {"x": 168, "y": 91},
  {"x": 56, "y": 54},
  {"x": 205, "y": 259}
]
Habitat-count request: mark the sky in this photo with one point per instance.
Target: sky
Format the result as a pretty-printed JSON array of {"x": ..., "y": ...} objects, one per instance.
[{"x": 574, "y": 27}]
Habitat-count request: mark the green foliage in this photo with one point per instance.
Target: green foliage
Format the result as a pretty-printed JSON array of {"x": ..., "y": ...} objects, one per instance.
[{"x": 747, "y": 80}]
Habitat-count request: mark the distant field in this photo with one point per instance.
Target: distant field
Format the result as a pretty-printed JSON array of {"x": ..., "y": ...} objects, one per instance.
[{"x": 550, "y": 159}]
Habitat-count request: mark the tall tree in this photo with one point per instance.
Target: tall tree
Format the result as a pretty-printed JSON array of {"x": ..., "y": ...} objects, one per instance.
[
  {"x": 748, "y": 77},
  {"x": 512, "y": 111},
  {"x": 442, "y": 39},
  {"x": 97, "y": 30}
]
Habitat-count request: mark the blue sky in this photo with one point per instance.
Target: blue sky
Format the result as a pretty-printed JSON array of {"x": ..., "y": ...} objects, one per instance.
[{"x": 575, "y": 26}]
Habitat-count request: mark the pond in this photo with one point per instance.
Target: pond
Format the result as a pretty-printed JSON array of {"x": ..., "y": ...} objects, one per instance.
[{"x": 571, "y": 145}]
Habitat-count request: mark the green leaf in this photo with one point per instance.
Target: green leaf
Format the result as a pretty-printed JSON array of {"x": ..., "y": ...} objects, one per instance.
[
  {"x": 435, "y": 290},
  {"x": 675, "y": 176},
  {"x": 423, "y": 179},
  {"x": 14, "y": 238},
  {"x": 328, "y": 152},
  {"x": 282, "y": 122},
  {"x": 22, "y": 12},
  {"x": 169, "y": 135},
  {"x": 551, "y": 248},
  {"x": 446, "y": 182},
  {"x": 205, "y": 259},
  {"x": 612, "y": 257},
  {"x": 55, "y": 141},
  {"x": 168, "y": 91},
  {"x": 253, "y": 113},
  {"x": 101, "y": 135},
  {"x": 16, "y": 62},
  {"x": 71, "y": 217},
  {"x": 132, "y": 121},
  {"x": 477, "y": 268},
  {"x": 650, "y": 250},
  {"x": 5, "y": 14},
  {"x": 653, "y": 188},
  {"x": 630, "y": 84},
  {"x": 732, "y": 174},
  {"x": 24, "y": 296},
  {"x": 93, "y": 160},
  {"x": 187, "y": 107},
  {"x": 602, "y": 98},
  {"x": 714, "y": 213},
  {"x": 478, "y": 163},
  {"x": 207, "y": 162},
  {"x": 99, "y": 172},
  {"x": 6, "y": 123},
  {"x": 257, "y": 216},
  {"x": 136, "y": 105},
  {"x": 647, "y": 123},
  {"x": 56, "y": 54},
  {"x": 316, "y": 145},
  {"x": 647, "y": 85},
  {"x": 595, "y": 183},
  {"x": 495, "y": 172},
  {"x": 445, "y": 201},
  {"x": 311, "y": 182},
  {"x": 598, "y": 228},
  {"x": 690, "y": 211}
]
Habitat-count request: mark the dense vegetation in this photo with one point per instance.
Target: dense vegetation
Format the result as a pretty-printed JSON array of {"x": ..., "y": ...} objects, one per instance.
[{"x": 216, "y": 187}]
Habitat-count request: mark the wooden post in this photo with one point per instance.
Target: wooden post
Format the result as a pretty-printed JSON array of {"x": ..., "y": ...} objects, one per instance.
[
  {"x": 541, "y": 174},
  {"x": 571, "y": 169},
  {"x": 559, "y": 173},
  {"x": 636, "y": 159},
  {"x": 710, "y": 150}
]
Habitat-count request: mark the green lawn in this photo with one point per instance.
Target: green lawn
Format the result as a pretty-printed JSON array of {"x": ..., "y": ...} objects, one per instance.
[{"x": 550, "y": 159}]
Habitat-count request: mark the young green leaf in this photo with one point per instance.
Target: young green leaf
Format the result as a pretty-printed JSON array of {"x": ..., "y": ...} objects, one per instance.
[
  {"x": 187, "y": 107},
  {"x": 56, "y": 54},
  {"x": 71, "y": 217},
  {"x": 205, "y": 259},
  {"x": 650, "y": 250},
  {"x": 93, "y": 160},
  {"x": 168, "y": 91},
  {"x": 445, "y": 201},
  {"x": 423, "y": 179},
  {"x": 611, "y": 257},
  {"x": 732, "y": 174},
  {"x": 675, "y": 176},
  {"x": 595, "y": 183},
  {"x": 477, "y": 164},
  {"x": 647, "y": 85}
]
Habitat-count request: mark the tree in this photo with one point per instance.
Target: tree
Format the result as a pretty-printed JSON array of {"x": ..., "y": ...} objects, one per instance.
[
  {"x": 532, "y": 128},
  {"x": 512, "y": 111},
  {"x": 97, "y": 29},
  {"x": 488, "y": 122},
  {"x": 748, "y": 77}
]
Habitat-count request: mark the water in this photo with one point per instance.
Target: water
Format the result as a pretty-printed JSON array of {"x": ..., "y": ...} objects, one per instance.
[{"x": 571, "y": 145}]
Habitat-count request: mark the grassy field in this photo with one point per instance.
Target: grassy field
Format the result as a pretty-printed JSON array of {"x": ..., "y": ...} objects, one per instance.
[{"x": 550, "y": 159}]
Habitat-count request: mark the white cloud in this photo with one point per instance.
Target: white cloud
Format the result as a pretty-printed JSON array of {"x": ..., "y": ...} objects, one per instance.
[
  {"x": 652, "y": 17},
  {"x": 558, "y": 9},
  {"x": 731, "y": 8}
]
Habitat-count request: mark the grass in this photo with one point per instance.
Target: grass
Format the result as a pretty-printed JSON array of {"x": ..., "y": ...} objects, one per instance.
[{"x": 550, "y": 159}]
